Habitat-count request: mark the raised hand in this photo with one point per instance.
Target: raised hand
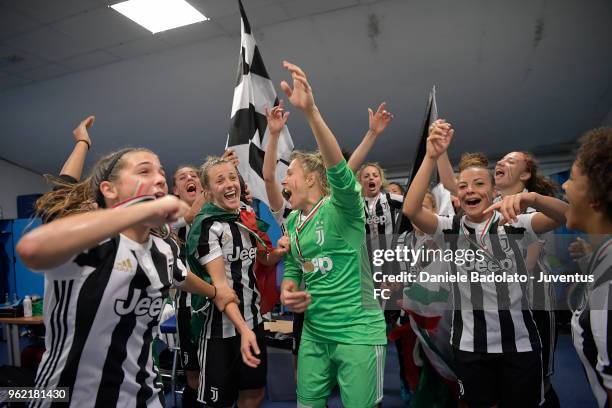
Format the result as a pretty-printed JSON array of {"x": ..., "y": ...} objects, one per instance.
[
  {"x": 300, "y": 95},
  {"x": 80, "y": 132},
  {"x": 231, "y": 156},
  {"x": 379, "y": 120},
  {"x": 277, "y": 118},
  {"x": 440, "y": 135}
]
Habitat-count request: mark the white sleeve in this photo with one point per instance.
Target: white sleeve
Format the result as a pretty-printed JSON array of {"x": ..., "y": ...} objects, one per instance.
[
  {"x": 281, "y": 215},
  {"x": 444, "y": 223},
  {"x": 209, "y": 245},
  {"x": 444, "y": 203},
  {"x": 524, "y": 221}
]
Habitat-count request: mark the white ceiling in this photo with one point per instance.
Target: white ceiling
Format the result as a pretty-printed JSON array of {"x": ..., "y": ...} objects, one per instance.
[{"x": 523, "y": 74}]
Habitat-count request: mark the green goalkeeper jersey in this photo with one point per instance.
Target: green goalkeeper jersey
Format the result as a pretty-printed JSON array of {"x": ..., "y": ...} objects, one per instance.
[{"x": 328, "y": 251}]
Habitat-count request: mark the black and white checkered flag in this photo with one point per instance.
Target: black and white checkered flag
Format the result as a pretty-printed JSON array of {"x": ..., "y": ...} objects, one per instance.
[{"x": 248, "y": 134}]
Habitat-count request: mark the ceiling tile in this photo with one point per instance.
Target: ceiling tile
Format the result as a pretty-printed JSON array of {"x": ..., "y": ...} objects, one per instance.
[
  {"x": 299, "y": 8},
  {"x": 45, "y": 72},
  {"x": 215, "y": 8},
  {"x": 191, "y": 33},
  {"x": 145, "y": 45},
  {"x": 11, "y": 81},
  {"x": 47, "y": 11},
  {"x": 49, "y": 44},
  {"x": 89, "y": 60},
  {"x": 13, "y": 23},
  {"x": 14, "y": 61},
  {"x": 101, "y": 28}
]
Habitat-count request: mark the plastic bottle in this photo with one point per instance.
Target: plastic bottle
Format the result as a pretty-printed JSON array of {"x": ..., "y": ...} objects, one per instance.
[{"x": 27, "y": 307}]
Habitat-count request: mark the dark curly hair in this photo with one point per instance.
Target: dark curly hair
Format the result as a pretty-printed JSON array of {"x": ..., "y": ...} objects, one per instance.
[
  {"x": 595, "y": 160},
  {"x": 537, "y": 182}
]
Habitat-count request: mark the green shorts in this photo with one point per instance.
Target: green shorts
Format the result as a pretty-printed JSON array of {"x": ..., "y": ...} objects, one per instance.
[{"x": 357, "y": 369}]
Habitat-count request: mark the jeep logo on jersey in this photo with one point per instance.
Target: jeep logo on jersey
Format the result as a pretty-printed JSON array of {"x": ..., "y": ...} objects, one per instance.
[
  {"x": 376, "y": 219},
  {"x": 139, "y": 306},
  {"x": 243, "y": 255},
  {"x": 323, "y": 264}
]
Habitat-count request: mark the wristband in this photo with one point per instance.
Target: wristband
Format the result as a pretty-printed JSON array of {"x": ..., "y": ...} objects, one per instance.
[
  {"x": 84, "y": 141},
  {"x": 215, "y": 295}
]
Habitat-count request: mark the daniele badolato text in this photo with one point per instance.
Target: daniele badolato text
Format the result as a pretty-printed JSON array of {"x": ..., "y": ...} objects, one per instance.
[{"x": 473, "y": 266}]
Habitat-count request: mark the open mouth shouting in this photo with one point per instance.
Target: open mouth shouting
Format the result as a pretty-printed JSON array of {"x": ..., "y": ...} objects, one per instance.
[
  {"x": 286, "y": 194},
  {"x": 472, "y": 202}
]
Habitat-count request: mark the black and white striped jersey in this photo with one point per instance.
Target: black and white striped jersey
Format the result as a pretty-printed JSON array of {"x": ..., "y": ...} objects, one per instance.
[
  {"x": 238, "y": 249},
  {"x": 541, "y": 294},
  {"x": 101, "y": 312},
  {"x": 490, "y": 317},
  {"x": 382, "y": 213},
  {"x": 592, "y": 324}
]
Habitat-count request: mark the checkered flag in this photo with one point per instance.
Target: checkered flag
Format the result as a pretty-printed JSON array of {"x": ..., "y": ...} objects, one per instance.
[{"x": 248, "y": 135}]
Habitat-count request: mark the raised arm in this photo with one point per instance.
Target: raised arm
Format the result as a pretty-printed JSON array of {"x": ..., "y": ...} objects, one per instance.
[
  {"x": 440, "y": 136},
  {"x": 550, "y": 215},
  {"x": 378, "y": 122},
  {"x": 277, "y": 118},
  {"x": 301, "y": 97},
  {"x": 447, "y": 175},
  {"x": 53, "y": 244},
  {"x": 73, "y": 166}
]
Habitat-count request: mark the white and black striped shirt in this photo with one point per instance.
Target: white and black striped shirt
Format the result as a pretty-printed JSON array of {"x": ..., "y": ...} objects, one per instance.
[
  {"x": 382, "y": 213},
  {"x": 101, "y": 312},
  {"x": 592, "y": 324},
  {"x": 490, "y": 317},
  {"x": 238, "y": 249},
  {"x": 541, "y": 294}
]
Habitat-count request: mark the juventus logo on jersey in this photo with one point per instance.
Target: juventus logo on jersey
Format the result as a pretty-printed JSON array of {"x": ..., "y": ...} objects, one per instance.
[
  {"x": 214, "y": 394},
  {"x": 320, "y": 234}
]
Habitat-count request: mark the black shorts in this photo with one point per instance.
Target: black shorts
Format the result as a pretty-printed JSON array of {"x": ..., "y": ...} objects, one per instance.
[
  {"x": 224, "y": 373},
  {"x": 507, "y": 380},
  {"x": 546, "y": 323},
  {"x": 189, "y": 350},
  {"x": 298, "y": 326}
]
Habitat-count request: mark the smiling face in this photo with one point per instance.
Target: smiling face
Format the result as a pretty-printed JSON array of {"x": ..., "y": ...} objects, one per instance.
[
  {"x": 511, "y": 170},
  {"x": 295, "y": 189},
  {"x": 141, "y": 174},
  {"x": 475, "y": 192},
  {"x": 580, "y": 201},
  {"x": 224, "y": 186},
  {"x": 187, "y": 184},
  {"x": 371, "y": 181}
]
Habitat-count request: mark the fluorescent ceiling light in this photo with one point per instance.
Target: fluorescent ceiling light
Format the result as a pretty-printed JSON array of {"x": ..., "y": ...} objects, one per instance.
[{"x": 160, "y": 15}]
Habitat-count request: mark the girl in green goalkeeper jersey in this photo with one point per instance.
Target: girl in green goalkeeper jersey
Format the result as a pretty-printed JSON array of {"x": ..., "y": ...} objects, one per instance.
[{"x": 344, "y": 330}]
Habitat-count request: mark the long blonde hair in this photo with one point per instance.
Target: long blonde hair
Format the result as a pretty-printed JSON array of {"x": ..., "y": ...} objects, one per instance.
[{"x": 313, "y": 163}]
